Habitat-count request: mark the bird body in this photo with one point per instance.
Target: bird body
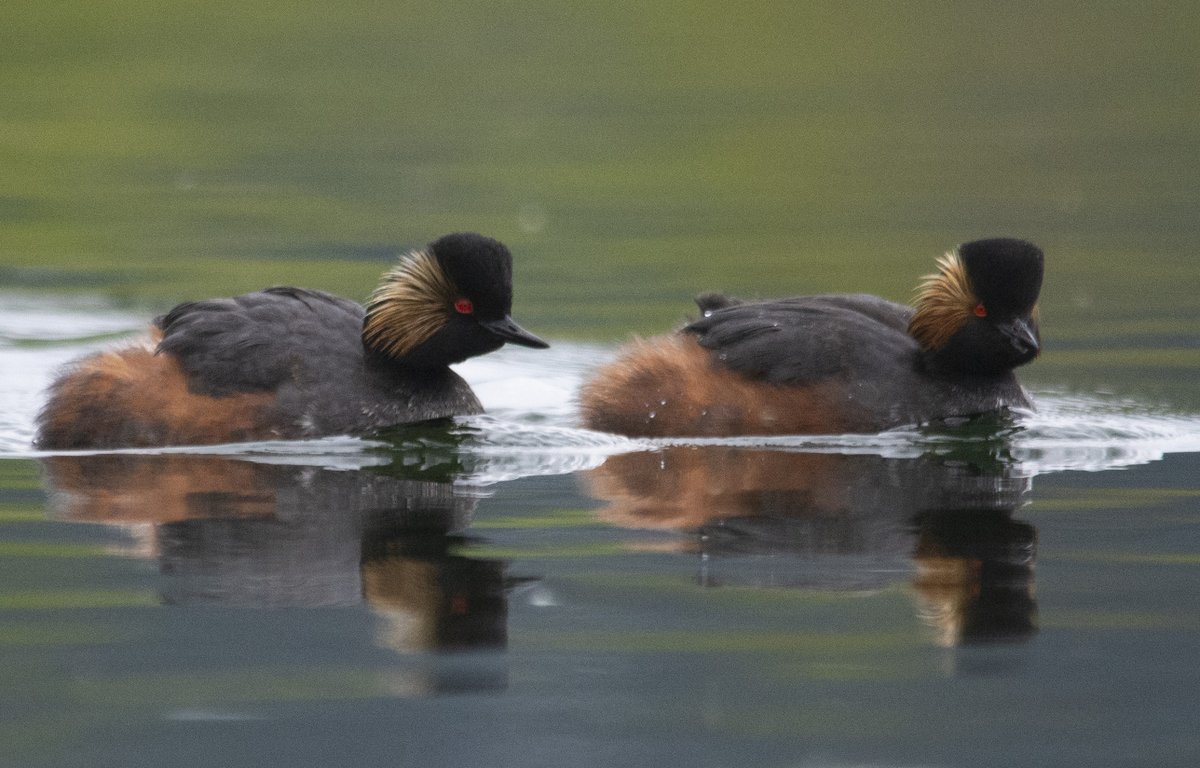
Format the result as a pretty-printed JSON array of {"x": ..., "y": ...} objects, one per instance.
[
  {"x": 288, "y": 363},
  {"x": 835, "y": 363}
]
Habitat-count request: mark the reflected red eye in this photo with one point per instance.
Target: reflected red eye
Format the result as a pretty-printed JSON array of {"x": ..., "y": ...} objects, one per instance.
[
  {"x": 980, "y": 310},
  {"x": 463, "y": 306}
]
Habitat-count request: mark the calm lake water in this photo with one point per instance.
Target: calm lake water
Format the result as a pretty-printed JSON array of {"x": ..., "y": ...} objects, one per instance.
[{"x": 511, "y": 589}]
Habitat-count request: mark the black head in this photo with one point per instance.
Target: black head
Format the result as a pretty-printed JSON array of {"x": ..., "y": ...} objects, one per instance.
[
  {"x": 480, "y": 268},
  {"x": 445, "y": 303},
  {"x": 978, "y": 314},
  {"x": 1005, "y": 273}
]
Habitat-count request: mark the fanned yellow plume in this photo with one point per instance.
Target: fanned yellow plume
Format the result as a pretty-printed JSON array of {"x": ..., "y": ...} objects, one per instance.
[
  {"x": 411, "y": 303},
  {"x": 944, "y": 302}
]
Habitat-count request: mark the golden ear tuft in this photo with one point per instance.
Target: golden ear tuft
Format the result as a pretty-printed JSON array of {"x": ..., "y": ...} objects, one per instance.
[
  {"x": 410, "y": 305},
  {"x": 944, "y": 301}
]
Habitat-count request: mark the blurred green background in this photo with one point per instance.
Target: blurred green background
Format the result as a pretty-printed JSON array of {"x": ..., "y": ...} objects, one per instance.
[{"x": 631, "y": 154}]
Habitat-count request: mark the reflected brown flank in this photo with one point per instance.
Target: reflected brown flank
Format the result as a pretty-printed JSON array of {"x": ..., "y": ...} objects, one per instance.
[
  {"x": 237, "y": 532},
  {"x": 839, "y": 521}
]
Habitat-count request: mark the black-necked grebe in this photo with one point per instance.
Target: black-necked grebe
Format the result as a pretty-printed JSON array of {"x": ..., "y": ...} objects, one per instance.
[
  {"x": 835, "y": 363},
  {"x": 288, "y": 363}
]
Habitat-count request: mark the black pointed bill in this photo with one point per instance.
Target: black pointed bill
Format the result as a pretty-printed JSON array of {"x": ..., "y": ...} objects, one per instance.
[
  {"x": 508, "y": 330},
  {"x": 1021, "y": 335}
]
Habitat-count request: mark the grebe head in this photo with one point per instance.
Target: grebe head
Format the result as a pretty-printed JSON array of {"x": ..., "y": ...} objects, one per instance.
[
  {"x": 444, "y": 303},
  {"x": 978, "y": 313}
]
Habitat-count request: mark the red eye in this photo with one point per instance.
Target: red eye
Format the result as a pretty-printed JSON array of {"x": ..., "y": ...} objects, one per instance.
[
  {"x": 463, "y": 306},
  {"x": 980, "y": 310}
]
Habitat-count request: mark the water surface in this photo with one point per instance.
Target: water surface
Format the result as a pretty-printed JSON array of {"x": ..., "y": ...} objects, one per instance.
[{"x": 515, "y": 587}]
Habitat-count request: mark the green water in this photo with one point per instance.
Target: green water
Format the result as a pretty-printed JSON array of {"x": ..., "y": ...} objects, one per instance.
[{"x": 631, "y": 155}]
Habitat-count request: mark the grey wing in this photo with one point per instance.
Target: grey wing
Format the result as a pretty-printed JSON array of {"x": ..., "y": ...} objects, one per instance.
[
  {"x": 259, "y": 340},
  {"x": 808, "y": 338}
]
